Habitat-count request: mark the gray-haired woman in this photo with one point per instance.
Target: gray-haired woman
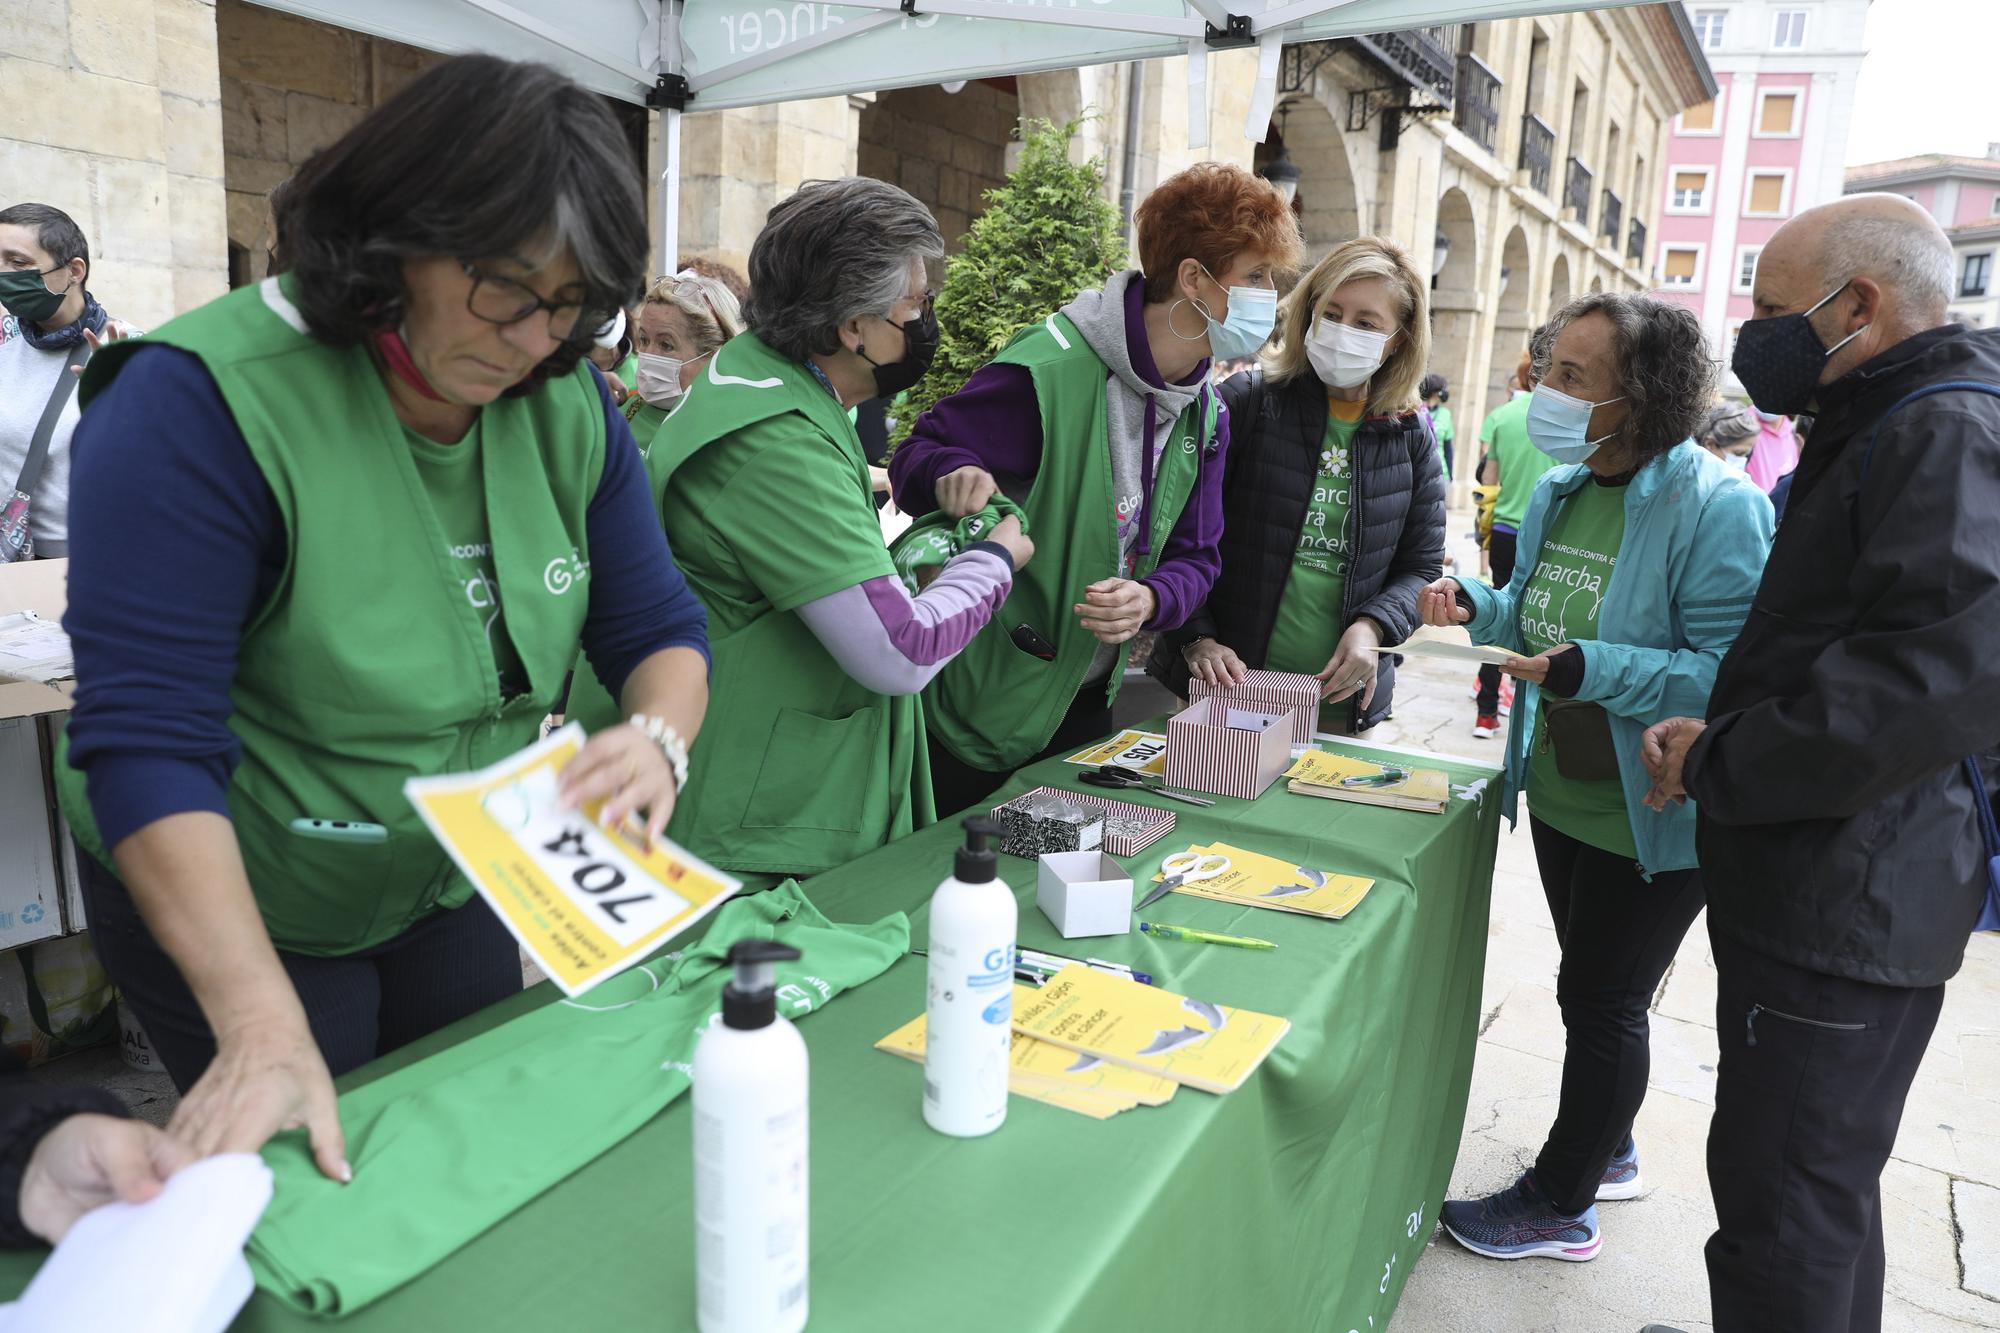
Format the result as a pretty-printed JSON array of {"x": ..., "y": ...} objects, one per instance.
[
  {"x": 1730, "y": 433},
  {"x": 1638, "y": 563},
  {"x": 814, "y": 748}
]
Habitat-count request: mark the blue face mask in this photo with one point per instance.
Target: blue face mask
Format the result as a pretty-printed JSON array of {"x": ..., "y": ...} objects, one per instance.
[
  {"x": 1252, "y": 313},
  {"x": 1558, "y": 425}
]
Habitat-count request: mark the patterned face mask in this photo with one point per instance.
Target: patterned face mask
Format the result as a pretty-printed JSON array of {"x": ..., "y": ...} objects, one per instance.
[{"x": 1779, "y": 359}]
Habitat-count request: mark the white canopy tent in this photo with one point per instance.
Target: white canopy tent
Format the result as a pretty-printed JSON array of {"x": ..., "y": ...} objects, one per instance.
[{"x": 710, "y": 55}]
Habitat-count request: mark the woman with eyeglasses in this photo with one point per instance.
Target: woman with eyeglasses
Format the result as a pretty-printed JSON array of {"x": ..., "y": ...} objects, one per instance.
[
  {"x": 343, "y": 528},
  {"x": 1100, "y": 421}
]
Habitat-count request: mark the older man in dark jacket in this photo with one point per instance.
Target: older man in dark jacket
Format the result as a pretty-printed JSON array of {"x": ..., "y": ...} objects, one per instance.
[{"x": 1839, "y": 842}]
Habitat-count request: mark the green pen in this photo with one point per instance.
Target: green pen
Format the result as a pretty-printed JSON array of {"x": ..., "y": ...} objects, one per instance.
[{"x": 1190, "y": 934}]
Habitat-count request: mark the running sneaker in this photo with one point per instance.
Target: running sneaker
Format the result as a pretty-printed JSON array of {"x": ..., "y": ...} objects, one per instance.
[
  {"x": 1487, "y": 727},
  {"x": 1520, "y": 1223},
  {"x": 1621, "y": 1175}
]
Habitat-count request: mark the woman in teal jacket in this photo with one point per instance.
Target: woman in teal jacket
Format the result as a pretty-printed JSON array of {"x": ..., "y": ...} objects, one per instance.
[{"x": 1638, "y": 565}]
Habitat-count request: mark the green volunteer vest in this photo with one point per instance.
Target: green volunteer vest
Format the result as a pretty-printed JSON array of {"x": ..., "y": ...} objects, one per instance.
[
  {"x": 369, "y": 664},
  {"x": 995, "y": 706},
  {"x": 799, "y": 768}
]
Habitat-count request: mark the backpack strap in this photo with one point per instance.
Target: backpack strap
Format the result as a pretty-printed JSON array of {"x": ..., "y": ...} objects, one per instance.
[{"x": 1868, "y": 455}]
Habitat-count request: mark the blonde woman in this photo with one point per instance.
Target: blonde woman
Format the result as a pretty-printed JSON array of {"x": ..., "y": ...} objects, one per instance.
[
  {"x": 682, "y": 321},
  {"x": 1333, "y": 494}
]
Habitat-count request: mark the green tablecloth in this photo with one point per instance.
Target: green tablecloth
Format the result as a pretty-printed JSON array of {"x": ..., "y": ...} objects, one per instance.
[{"x": 1298, "y": 1202}]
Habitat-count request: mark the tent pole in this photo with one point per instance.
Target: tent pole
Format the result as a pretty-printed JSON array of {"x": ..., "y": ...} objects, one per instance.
[{"x": 670, "y": 191}]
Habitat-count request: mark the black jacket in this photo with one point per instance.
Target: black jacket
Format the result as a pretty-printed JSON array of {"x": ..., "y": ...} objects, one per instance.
[
  {"x": 1267, "y": 484},
  {"x": 1836, "y": 821}
]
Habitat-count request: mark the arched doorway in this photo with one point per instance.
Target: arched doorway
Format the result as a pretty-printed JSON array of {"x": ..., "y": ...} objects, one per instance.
[
  {"x": 1514, "y": 317},
  {"x": 1327, "y": 204},
  {"x": 1559, "y": 286},
  {"x": 1456, "y": 301}
]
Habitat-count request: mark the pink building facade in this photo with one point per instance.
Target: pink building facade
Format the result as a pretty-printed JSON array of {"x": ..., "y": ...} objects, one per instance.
[
  {"x": 1963, "y": 194},
  {"x": 1773, "y": 142}
]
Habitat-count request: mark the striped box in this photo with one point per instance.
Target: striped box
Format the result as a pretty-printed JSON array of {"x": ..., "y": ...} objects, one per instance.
[
  {"x": 1270, "y": 692},
  {"x": 1227, "y": 749},
  {"x": 1128, "y": 829}
]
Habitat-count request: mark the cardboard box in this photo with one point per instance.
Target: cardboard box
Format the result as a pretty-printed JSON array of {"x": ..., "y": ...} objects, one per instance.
[
  {"x": 41, "y": 586},
  {"x": 1270, "y": 692},
  {"x": 1128, "y": 829},
  {"x": 30, "y": 884},
  {"x": 1084, "y": 893},
  {"x": 1218, "y": 747},
  {"x": 1046, "y": 820}
]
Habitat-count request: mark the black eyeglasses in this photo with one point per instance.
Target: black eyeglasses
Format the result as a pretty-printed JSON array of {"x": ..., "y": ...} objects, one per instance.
[{"x": 499, "y": 300}]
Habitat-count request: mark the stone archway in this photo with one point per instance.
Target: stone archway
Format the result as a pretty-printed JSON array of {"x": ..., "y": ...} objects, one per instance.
[
  {"x": 1559, "y": 285},
  {"x": 1328, "y": 202},
  {"x": 1457, "y": 302},
  {"x": 1514, "y": 317}
]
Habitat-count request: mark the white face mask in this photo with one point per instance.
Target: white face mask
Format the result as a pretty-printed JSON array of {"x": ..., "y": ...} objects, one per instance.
[
  {"x": 1344, "y": 356},
  {"x": 659, "y": 378}
]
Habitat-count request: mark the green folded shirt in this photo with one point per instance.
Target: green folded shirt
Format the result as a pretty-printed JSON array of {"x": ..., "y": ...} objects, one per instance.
[{"x": 445, "y": 1148}]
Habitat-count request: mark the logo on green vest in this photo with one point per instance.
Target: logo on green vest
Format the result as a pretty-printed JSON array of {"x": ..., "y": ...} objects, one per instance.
[{"x": 565, "y": 571}]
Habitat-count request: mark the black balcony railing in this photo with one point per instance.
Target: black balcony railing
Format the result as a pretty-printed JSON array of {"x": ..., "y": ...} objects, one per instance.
[
  {"x": 1538, "y": 151},
  {"x": 1477, "y": 109},
  {"x": 1422, "y": 57},
  {"x": 1610, "y": 217},
  {"x": 1635, "y": 244},
  {"x": 1576, "y": 191}
]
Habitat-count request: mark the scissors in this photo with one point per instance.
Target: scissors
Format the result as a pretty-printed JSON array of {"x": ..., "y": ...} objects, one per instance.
[
  {"x": 1185, "y": 868},
  {"x": 1113, "y": 776}
]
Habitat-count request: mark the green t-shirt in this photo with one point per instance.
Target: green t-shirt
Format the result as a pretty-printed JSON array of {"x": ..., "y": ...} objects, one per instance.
[
  {"x": 1441, "y": 426},
  {"x": 1308, "y": 625},
  {"x": 455, "y": 480},
  {"x": 1505, "y": 435},
  {"x": 770, "y": 519},
  {"x": 1560, "y": 604}
]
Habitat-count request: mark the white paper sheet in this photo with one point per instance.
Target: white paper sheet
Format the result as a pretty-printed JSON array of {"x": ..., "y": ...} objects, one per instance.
[
  {"x": 174, "y": 1265},
  {"x": 32, "y": 648},
  {"x": 1450, "y": 650}
]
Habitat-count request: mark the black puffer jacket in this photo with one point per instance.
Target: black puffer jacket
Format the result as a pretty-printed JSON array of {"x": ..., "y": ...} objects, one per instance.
[
  {"x": 1268, "y": 473},
  {"x": 1836, "y": 827}
]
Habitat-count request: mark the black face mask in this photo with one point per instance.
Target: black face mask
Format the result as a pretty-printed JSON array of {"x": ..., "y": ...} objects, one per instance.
[
  {"x": 1779, "y": 359},
  {"x": 920, "y": 344}
]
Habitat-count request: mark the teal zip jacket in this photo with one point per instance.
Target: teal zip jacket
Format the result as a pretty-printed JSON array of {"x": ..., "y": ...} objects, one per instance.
[{"x": 1696, "y": 535}]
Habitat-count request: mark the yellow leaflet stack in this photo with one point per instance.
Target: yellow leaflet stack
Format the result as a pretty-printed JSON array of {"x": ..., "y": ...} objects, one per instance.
[
  {"x": 1190, "y": 1041},
  {"x": 1339, "y": 778},
  {"x": 1255, "y": 880},
  {"x": 1054, "y": 1075}
]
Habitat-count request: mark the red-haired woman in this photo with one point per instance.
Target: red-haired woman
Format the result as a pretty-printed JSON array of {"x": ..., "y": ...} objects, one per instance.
[{"x": 1101, "y": 424}]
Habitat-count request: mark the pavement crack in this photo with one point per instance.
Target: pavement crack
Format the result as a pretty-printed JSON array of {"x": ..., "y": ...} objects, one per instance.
[
  {"x": 1958, "y": 1240},
  {"x": 1492, "y": 1016},
  {"x": 1660, "y": 995}
]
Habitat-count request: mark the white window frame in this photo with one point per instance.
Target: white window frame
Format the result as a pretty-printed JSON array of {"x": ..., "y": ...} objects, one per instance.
[
  {"x": 1996, "y": 205},
  {"x": 1707, "y": 205},
  {"x": 1992, "y": 279},
  {"x": 1778, "y": 18},
  {"x": 1710, "y": 38},
  {"x": 1750, "y": 174},
  {"x": 1714, "y": 130},
  {"x": 1736, "y": 283},
  {"x": 1700, "y": 249},
  {"x": 1798, "y": 95}
]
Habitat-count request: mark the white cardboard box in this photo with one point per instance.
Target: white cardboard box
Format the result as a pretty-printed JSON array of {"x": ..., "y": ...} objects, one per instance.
[{"x": 1084, "y": 893}]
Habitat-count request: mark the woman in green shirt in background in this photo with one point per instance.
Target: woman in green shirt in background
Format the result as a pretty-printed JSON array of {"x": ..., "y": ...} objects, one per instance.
[{"x": 1639, "y": 557}]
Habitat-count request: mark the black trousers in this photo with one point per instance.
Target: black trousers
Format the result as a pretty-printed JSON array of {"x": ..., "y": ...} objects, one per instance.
[
  {"x": 958, "y": 786},
  {"x": 1808, "y": 1094},
  {"x": 1500, "y": 551},
  {"x": 1618, "y": 935},
  {"x": 360, "y": 1005}
]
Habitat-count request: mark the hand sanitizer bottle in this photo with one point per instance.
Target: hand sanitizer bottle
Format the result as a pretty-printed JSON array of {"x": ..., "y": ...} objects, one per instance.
[
  {"x": 969, "y": 1017},
  {"x": 750, "y": 1155}
]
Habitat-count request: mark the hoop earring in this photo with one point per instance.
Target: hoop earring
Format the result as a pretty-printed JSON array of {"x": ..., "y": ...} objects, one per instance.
[{"x": 1199, "y": 308}]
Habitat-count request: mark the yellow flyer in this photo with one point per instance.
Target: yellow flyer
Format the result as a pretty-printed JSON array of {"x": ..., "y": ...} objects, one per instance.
[
  {"x": 1255, "y": 880},
  {"x": 1055, "y": 1075},
  {"x": 585, "y": 901},
  {"x": 1341, "y": 778},
  {"x": 1203, "y": 1045},
  {"x": 1142, "y": 751}
]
